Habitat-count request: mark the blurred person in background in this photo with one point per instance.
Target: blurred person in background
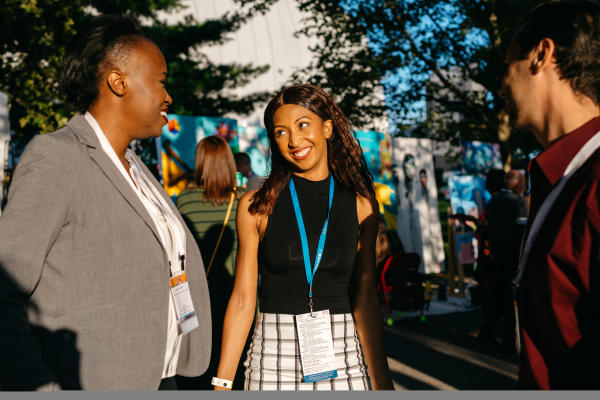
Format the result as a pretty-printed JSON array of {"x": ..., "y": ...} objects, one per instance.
[
  {"x": 512, "y": 181},
  {"x": 505, "y": 215},
  {"x": 388, "y": 243},
  {"x": 400, "y": 285},
  {"x": 517, "y": 183},
  {"x": 243, "y": 165},
  {"x": 486, "y": 273},
  {"x": 209, "y": 207}
]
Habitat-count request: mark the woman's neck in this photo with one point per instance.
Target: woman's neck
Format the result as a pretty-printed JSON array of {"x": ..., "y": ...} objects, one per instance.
[
  {"x": 112, "y": 130},
  {"x": 314, "y": 175}
]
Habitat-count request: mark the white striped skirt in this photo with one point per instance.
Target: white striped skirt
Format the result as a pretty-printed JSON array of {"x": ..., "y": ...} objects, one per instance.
[{"x": 273, "y": 360}]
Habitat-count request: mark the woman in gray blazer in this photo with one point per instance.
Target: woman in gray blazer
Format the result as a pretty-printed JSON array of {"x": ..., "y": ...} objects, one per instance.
[{"x": 101, "y": 284}]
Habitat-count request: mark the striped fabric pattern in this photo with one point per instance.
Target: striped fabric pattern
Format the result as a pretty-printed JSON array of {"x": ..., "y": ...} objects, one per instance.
[{"x": 273, "y": 360}]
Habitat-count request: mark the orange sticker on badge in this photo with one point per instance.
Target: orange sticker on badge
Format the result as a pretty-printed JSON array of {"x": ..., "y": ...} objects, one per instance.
[{"x": 178, "y": 280}]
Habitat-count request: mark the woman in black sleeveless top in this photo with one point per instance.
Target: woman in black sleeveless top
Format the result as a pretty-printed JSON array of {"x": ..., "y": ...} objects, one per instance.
[{"x": 316, "y": 159}]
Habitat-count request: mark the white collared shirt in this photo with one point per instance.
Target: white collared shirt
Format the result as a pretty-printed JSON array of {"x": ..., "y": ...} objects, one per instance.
[{"x": 173, "y": 337}]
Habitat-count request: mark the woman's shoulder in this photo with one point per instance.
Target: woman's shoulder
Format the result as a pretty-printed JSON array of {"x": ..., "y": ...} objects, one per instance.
[
  {"x": 191, "y": 189},
  {"x": 245, "y": 217},
  {"x": 189, "y": 195},
  {"x": 240, "y": 192},
  {"x": 246, "y": 197},
  {"x": 61, "y": 147},
  {"x": 365, "y": 207}
]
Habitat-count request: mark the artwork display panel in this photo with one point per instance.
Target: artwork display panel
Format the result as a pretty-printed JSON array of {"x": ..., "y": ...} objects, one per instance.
[
  {"x": 480, "y": 157},
  {"x": 253, "y": 140},
  {"x": 178, "y": 146},
  {"x": 377, "y": 150},
  {"x": 418, "y": 217}
]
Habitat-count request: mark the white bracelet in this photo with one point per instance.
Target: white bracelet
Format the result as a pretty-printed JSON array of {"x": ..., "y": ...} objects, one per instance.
[{"x": 221, "y": 382}]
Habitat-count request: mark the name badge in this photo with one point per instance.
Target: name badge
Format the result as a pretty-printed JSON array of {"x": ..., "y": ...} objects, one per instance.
[
  {"x": 186, "y": 315},
  {"x": 316, "y": 346}
]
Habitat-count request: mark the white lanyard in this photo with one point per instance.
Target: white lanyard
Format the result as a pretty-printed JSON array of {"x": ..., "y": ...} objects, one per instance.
[
  {"x": 580, "y": 158},
  {"x": 180, "y": 291},
  {"x": 176, "y": 254}
]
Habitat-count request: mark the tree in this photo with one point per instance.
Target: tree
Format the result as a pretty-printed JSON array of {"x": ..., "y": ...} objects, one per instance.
[
  {"x": 35, "y": 34},
  {"x": 414, "y": 48},
  {"x": 343, "y": 64}
]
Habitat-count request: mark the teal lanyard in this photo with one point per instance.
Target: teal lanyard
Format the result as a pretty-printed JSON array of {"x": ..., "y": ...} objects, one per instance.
[{"x": 310, "y": 272}]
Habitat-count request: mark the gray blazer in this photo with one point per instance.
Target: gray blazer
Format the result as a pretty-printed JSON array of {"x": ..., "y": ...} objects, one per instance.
[{"x": 80, "y": 255}]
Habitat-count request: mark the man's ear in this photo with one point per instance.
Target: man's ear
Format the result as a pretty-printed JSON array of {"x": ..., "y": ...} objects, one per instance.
[
  {"x": 328, "y": 128},
  {"x": 117, "y": 83},
  {"x": 543, "y": 55}
]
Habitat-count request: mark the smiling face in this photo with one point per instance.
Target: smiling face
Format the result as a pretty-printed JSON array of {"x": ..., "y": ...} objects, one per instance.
[
  {"x": 146, "y": 100},
  {"x": 301, "y": 137}
]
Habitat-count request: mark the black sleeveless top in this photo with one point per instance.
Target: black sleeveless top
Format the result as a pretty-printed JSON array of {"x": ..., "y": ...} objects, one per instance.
[{"x": 284, "y": 289}]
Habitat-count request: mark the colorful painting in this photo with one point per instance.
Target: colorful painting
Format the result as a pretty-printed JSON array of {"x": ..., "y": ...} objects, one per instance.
[
  {"x": 418, "y": 218},
  {"x": 466, "y": 247},
  {"x": 377, "y": 150},
  {"x": 253, "y": 140},
  {"x": 479, "y": 157},
  {"x": 468, "y": 195},
  {"x": 445, "y": 183},
  {"x": 178, "y": 146}
]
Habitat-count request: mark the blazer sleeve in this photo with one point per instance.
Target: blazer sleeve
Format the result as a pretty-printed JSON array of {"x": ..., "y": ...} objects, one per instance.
[{"x": 36, "y": 210}]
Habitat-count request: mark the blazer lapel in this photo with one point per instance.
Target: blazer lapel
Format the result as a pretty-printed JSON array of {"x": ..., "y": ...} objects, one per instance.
[
  {"x": 161, "y": 190},
  {"x": 87, "y": 136}
]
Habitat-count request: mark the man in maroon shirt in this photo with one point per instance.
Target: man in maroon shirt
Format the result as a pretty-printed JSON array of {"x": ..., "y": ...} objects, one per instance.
[{"x": 552, "y": 88}]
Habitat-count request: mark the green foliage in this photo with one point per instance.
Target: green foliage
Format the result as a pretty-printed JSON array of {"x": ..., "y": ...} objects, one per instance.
[
  {"x": 412, "y": 45},
  {"x": 343, "y": 63},
  {"x": 35, "y": 33},
  {"x": 197, "y": 85},
  {"x": 30, "y": 34}
]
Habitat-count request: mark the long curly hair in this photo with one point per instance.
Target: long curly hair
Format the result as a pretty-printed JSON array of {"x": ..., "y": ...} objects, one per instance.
[{"x": 344, "y": 154}]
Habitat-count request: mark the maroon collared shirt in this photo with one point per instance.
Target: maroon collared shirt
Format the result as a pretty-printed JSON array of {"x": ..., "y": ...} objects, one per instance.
[{"x": 559, "y": 297}]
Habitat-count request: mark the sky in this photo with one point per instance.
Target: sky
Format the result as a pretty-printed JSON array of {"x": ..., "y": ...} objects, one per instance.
[{"x": 399, "y": 79}]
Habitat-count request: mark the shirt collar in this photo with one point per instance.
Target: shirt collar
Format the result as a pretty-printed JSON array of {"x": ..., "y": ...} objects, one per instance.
[
  {"x": 554, "y": 160},
  {"x": 99, "y": 133},
  {"x": 108, "y": 149}
]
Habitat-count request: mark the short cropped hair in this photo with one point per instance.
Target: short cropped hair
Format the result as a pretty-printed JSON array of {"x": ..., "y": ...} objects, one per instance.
[
  {"x": 511, "y": 179},
  {"x": 100, "y": 42},
  {"x": 241, "y": 158},
  {"x": 494, "y": 180},
  {"x": 574, "y": 27}
]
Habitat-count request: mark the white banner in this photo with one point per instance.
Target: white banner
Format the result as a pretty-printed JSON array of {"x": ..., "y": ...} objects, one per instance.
[{"x": 418, "y": 218}]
